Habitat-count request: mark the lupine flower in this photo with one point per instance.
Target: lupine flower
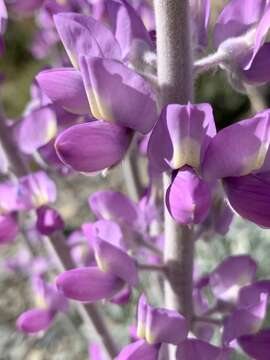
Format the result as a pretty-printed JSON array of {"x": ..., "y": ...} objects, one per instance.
[
  {"x": 188, "y": 198},
  {"x": 80, "y": 250},
  {"x": 239, "y": 154},
  {"x": 232, "y": 274},
  {"x": 48, "y": 220},
  {"x": 127, "y": 26},
  {"x": 157, "y": 325},
  {"x": 185, "y": 132},
  {"x": 64, "y": 86},
  {"x": 115, "y": 269},
  {"x": 36, "y": 130},
  {"x": 89, "y": 284},
  {"x": 93, "y": 146},
  {"x": 35, "y": 190},
  {"x": 246, "y": 318},
  {"x": 240, "y": 33},
  {"x": 113, "y": 205},
  {"x": 50, "y": 302}
]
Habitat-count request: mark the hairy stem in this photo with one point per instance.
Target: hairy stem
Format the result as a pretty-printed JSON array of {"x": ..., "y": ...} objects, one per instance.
[
  {"x": 56, "y": 242},
  {"x": 174, "y": 65}
]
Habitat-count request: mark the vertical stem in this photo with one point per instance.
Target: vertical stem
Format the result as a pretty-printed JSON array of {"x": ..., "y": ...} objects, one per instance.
[
  {"x": 174, "y": 61},
  {"x": 56, "y": 243}
]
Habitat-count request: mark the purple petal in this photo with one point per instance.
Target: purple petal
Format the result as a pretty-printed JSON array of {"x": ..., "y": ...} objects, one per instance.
[
  {"x": 188, "y": 198},
  {"x": 184, "y": 132},
  {"x": 123, "y": 297},
  {"x": 93, "y": 146},
  {"x": 257, "y": 345},
  {"x": 64, "y": 86},
  {"x": 193, "y": 349},
  {"x": 26, "y": 7},
  {"x": 48, "y": 293},
  {"x": 83, "y": 35},
  {"x": 245, "y": 320},
  {"x": 261, "y": 33},
  {"x": 88, "y": 284},
  {"x": 200, "y": 14},
  {"x": 34, "y": 320},
  {"x": 8, "y": 228},
  {"x": 165, "y": 326},
  {"x": 239, "y": 149},
  {"x": 3, "y": 17},
  {"x": 36, "y": 130},
  {"x": 258, "y": 71},
  {"x": 117, "y": 93},
  {"x": 35, "y": 190},
  {"x": 159, "y": 325},
  {"x": 127, "y": 25},
  {"x": 113, "y": 205},
  {"x": 233, "y": 273},
  {"x": 95, "y": 352},
  {"x": 48, "y": 220},
  {"x": 251, "y": 189},
  {"x": 236, "y": 19},
  {"x": 223, "y": 218},
  {"x": 139, "y": 350},
  {"x": 8, "y": 197},
  {"x": 113, "y": 260},
  {"x": 110, "y": 231}
]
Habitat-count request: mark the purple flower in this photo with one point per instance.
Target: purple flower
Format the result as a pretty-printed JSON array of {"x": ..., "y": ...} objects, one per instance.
[
  {"x": 48, "y": 220},
  {"x": 157, "y": 325},
  {"x": 188, "y": 198},
  {"x": 35, "y": 190},
  {"x": 36, "y": 130},
  {"x": 64, "y": 86},
  {"x": 229, "y": 276},
  {"x": 93, "y": 146},
  {"x": 239, "y": 154},
  {"x": 110, "y": 86},
  {"x": 89, "y": 284},
  {"x": 185, "y": 132},
  {"x": 240, "y": 33},
  {"x": 49, "y": 301}
]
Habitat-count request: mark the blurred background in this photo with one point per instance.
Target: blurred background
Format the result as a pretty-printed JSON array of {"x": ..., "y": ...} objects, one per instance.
[{"x": 65, "y": 340}]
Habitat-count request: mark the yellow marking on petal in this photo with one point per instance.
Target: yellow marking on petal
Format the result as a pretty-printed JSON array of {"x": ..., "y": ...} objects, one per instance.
[
  {"x": 72, "y": 58},
  {"x": 141, "y": 330},
  {"x": 149, "y": 336},
  {"x": 40, "y": 198},
  {"x": 186, "y": 152},
  {"x": 40, "y": 302},
  {"x": 98, "y": 108},
  {"x": 61, "y": 2},
  {"x": 51, "y": 130},
  {"x": 103, "y": 265},
  {"x": 256, "y": 161}
]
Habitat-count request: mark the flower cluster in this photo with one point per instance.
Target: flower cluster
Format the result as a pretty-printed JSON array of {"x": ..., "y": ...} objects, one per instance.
[{"x": 100, "y": 106}]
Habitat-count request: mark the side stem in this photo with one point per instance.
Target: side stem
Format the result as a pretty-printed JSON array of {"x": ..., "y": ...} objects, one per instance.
[{"x": 174, "y": 64}]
